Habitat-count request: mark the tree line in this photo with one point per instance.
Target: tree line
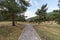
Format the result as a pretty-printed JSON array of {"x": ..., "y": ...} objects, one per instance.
[
  {"x": 43, "y": 15},
  {"x": 10, "y": 9}
]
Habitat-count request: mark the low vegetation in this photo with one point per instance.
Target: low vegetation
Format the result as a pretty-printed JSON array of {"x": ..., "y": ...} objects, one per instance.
[
  {"x": 8, "y": 32},
  {"x": 48, "y": 31}
]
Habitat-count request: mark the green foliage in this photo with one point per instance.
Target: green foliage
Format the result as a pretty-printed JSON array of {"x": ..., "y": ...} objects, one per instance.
[
  {"x": 12, "y": 7},
  {"x": 21, "y": 18},
  {"x": 41, "y": 13},
  {"x": 50, "y": 16},
  {"x": 57, "y": 16},
  {"x": 54, "y": 16},
  {"x": 33, "y": 19}
]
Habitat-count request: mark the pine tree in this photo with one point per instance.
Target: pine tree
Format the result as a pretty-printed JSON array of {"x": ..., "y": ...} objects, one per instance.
[
  {"x": 41, "y": 13},
  {"x": 13, "y": 7}
]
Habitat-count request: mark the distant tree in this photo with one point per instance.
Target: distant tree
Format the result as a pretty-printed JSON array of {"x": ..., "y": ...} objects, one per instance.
[
  {"x": 57, "y": 16},
  {"x": 41, "y": 13},
  {"x": 51, "y": 16},
  {"x": 21, "y": 18},
  {"x": 33, "y": 19},
  {"x": 12, "y": 7}
]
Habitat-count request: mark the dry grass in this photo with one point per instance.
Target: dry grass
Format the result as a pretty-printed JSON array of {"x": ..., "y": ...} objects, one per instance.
[
  {"x": 8, "y": 32},
  {"x": 48, "y": 31}
]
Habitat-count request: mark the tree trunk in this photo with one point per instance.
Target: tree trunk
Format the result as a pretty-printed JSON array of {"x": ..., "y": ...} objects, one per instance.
[{"x": 13, "y": 19}]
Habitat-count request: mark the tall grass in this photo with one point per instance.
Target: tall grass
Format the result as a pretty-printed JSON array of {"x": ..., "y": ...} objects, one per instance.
[
  {"x": 8, "y": 32},
  {"x": 48, "y": 31}
]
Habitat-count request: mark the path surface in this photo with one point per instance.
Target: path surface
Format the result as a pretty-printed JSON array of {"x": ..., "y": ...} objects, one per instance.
[{"x": 29, "y": 33}]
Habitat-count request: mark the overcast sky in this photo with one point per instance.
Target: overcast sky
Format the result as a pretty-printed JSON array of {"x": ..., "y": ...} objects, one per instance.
[{"x": 36, "y": 4}]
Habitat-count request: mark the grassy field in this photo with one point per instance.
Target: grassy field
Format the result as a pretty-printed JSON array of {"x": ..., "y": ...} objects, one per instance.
[
  {"x": 48, "y": 31},
  {"x": 8, "y": 32}
]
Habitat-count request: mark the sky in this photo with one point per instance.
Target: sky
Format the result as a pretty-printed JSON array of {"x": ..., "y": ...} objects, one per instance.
[{"x": 36, "y": 4}]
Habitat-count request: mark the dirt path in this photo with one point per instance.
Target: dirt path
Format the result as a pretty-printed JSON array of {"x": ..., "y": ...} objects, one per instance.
[{"x": 29, "y": 33}]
